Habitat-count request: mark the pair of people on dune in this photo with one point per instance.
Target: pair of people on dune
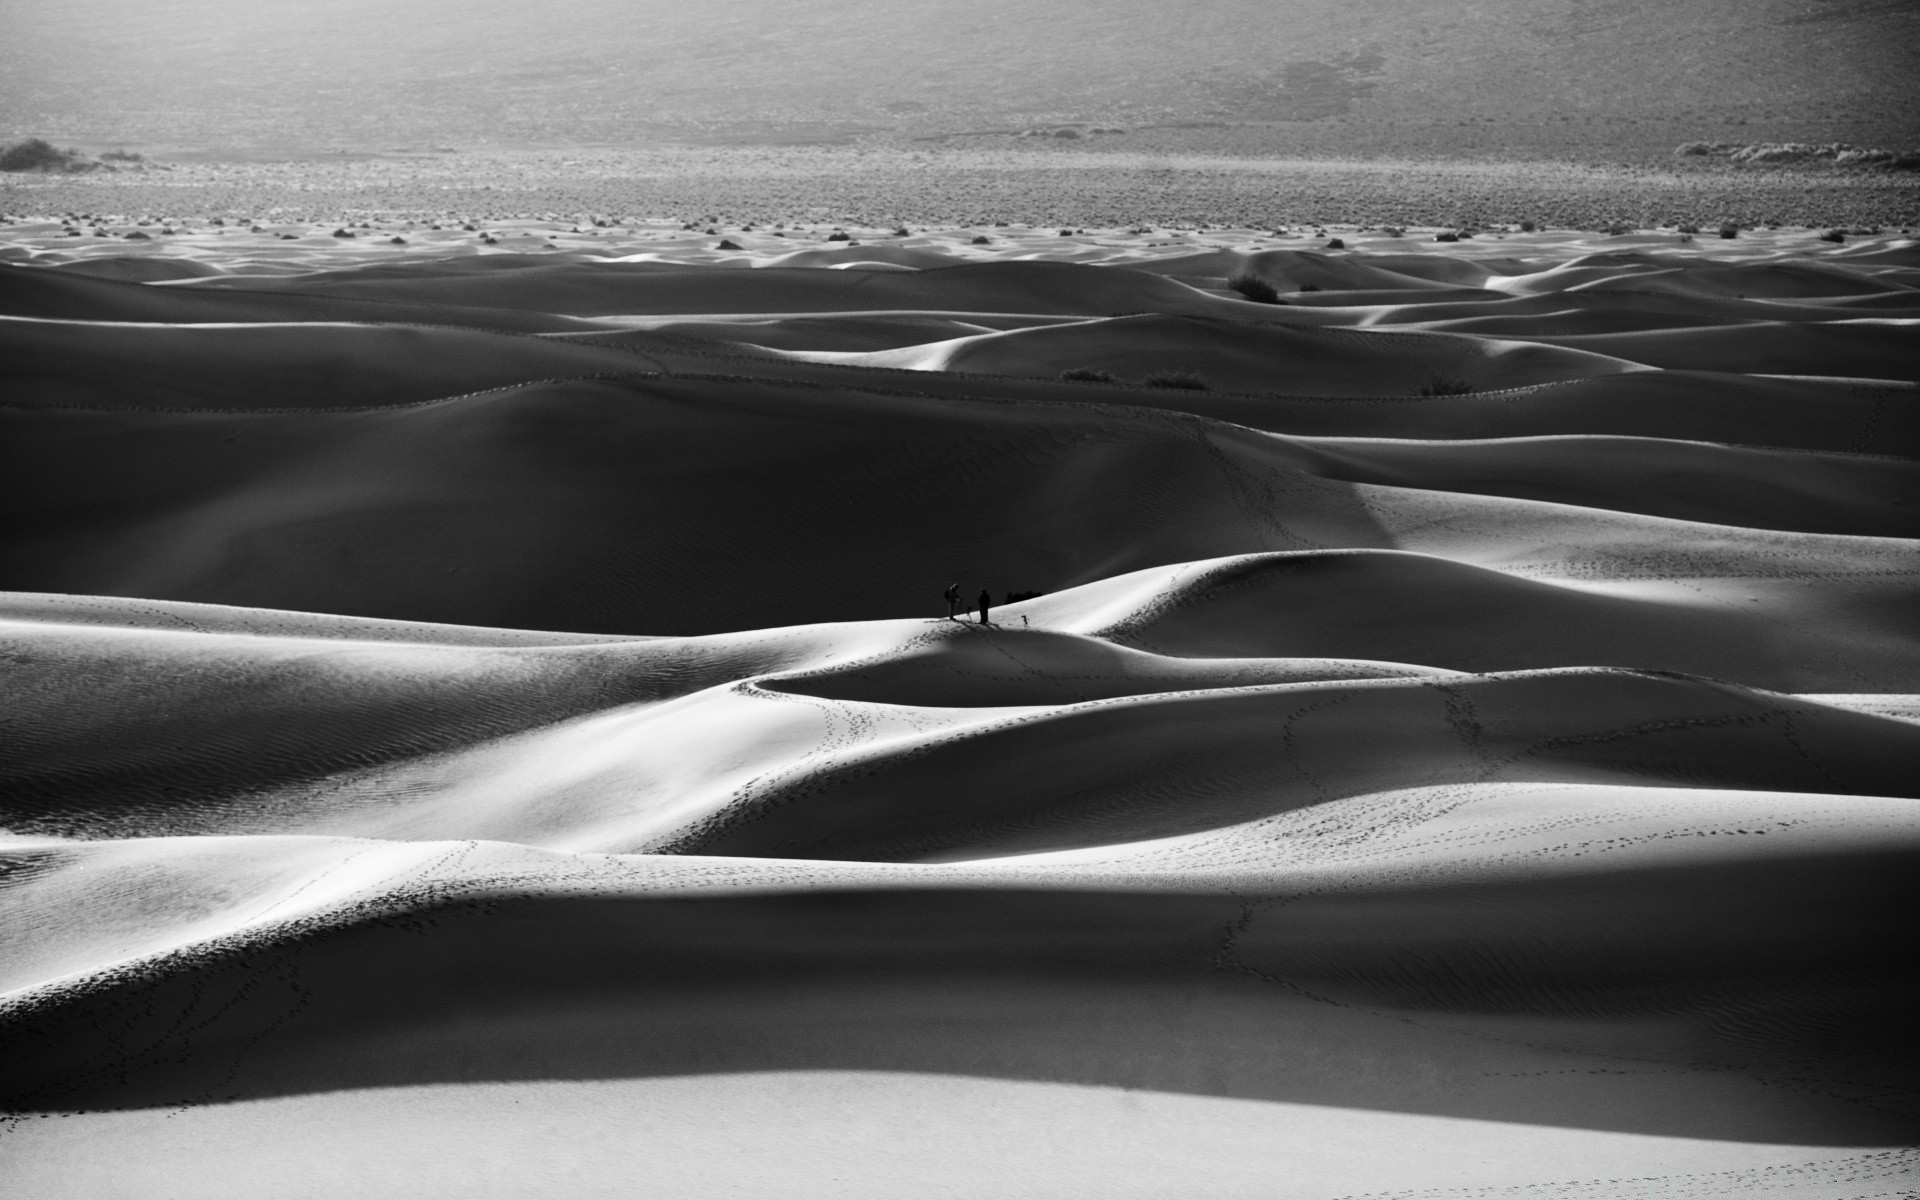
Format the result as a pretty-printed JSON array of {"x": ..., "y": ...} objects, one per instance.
[{"x": 952, "y": 595}]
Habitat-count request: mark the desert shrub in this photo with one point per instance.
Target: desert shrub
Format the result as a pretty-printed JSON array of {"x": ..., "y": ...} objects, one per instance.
[
  {"x": 1066, "y": 133},
  {"x": 1184, "y": 380},
  {"x": 1528, "y": 227},
  {"x": 1729, "y": 230},
  {"x": 36, "y": 154},
  {"x": 1393, "y": 231},
  {"x": 1441, "y": 385},
  {"x": 1689, "y": 228},
  {"x": 1617, "y": 228},
  {"x": 729, "y": 244},
  {"x": 1088, "y": 375},
  {"x": 982, "y": 240},
  {"x": 1254, "y": 288},
  {"x": 1834, "y": 236},
  {"x": 1446, "y": 237},
  {"x": 903, "y": 231},
  {"x": 1336, "y": 244},
  {"x": 839, "y": 236}
]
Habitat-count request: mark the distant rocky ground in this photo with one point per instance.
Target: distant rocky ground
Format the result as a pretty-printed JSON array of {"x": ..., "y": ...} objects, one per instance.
[{"x": 1095, "y": 180}]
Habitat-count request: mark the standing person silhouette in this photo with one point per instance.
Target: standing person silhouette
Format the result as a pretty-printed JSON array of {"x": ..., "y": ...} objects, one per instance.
[
  {"x": 986, "y": 602},
  {"x": 952, "y": 595}
]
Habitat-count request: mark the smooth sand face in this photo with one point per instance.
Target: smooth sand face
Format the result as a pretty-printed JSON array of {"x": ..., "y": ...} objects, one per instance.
[{"x": 481, "y": 722}]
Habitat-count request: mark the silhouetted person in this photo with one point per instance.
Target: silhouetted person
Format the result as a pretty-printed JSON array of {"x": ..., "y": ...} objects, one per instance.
[
  {"x": 986, "y": 603},
  {"x": 953, "y": 599}
]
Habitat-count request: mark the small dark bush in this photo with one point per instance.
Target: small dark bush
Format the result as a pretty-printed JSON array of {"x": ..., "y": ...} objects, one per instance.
[
  {"x": 903, "y": 231},
  {"x": 396, "y": 241},
  {"x": 1336, "y": 244},
  {"x": 1528, "y": 227},
  {"x": 838, "y": 236},
  {"x": 141, "y": 235},
  {"x": 1446, "y": 237},
  {"x": 339, "y": 233},
  {"x": 1183, "y": 380},
  {"x": 1834, "y": 236},
  {"x": 1729, "y": 231},
  {"x": 1617, "y": 228},
  {"x": 1254, "y": 288},
  {"x": 982, "y": 240},
  {"x": 35, "y": 154},
  {"x": 1440, "y": 385},
  {"x": 1689, "y": 229},
  {"x": 729, "y": 244},
  {"x": 1088, "y": 375}
]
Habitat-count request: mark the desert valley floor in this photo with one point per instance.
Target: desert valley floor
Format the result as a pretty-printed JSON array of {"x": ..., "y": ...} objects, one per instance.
[{"x": 480, "y": 716}]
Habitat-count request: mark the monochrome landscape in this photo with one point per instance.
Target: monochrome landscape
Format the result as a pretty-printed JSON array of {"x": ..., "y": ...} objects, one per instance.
[{"x": 1252, "y": 600}]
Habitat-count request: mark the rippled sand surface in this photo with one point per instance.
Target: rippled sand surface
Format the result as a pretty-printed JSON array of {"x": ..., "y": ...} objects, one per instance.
[{"x": 481, "y": 719}]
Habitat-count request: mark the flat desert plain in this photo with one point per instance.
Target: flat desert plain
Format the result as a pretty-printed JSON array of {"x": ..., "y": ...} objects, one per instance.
[{"x": 482, "y": 718}]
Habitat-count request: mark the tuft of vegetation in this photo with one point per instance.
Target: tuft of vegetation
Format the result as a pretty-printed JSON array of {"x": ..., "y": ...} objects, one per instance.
[
  {"x": 1088, "y": 375},
  {"x": 1255, "y": 288},
  {"x": 1183, "y": 380},
  {"x": 982, "y": 240},
  {"x": 1833, "y": 235},
  {"x": 1448, "y": 236},
  {"x": 1689, "y": 228},
  {"x": 839, "y": 235},
  {"x": 38, "y": 154},
  {"x": 1441, "y": 385},
  {"x": 1839, "y": 154},
  {"x": 1528, "y": 226},
  {"x": 1729, "y": 230},
  {"x": 1336, "y": 244},
  {"x": 729, "y": 244}
]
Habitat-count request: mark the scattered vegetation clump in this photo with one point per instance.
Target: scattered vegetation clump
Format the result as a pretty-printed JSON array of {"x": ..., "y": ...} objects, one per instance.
[
  {"x": 1618, "y": 228},
  {"x": 1689, "y": 227},
  {"x": 1441, "y": 385},
  {"x": 1833, "y": 235},
  {"x": 37, "y": 154},
  {"x": 1528, "y": 226},
  {"x": 1446, "y": 236},
  {"x": 839, "y": 235},
  {"x": 1840, "y": 154},
  {"x": 728, "y": 244},
  {"x": 1184, "y": 380},
  {"x": 1255, "y": 288},
  {"x": 981, "y": 239},
  {"x": 1088, "y": 375},
  {"x": 1729, "y": 230}
]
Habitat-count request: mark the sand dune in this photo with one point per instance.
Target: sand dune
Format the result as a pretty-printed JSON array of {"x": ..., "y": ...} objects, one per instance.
[{"x": 1461, "y": 744}]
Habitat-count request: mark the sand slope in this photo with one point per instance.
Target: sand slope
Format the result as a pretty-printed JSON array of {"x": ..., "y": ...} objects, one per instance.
[{"x": 1465, "y": 748}]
